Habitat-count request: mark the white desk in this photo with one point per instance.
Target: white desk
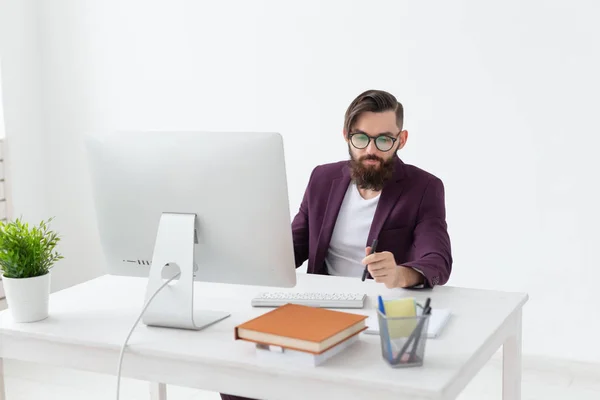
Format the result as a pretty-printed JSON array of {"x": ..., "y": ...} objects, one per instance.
[{"x": 88, "y": 323}]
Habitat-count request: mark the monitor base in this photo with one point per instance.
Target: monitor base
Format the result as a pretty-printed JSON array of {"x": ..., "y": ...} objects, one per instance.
[{"x": 173, "y": 305}]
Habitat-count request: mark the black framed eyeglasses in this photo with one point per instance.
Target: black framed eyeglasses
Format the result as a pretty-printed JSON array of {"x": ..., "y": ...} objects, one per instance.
[{"x": 361, "y": 140}]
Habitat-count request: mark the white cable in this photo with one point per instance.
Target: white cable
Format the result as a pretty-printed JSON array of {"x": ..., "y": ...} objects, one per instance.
[{"x": 133, "y": 328}]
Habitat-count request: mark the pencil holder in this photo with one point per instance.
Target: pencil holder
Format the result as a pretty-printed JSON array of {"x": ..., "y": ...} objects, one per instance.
[{"x": 403, "y": 339}]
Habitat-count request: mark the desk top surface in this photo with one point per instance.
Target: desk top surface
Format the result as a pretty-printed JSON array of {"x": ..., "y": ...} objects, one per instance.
[{"x": 100, "y": 312}]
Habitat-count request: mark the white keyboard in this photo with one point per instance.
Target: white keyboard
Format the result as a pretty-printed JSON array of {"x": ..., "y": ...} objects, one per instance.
[{"x": 324, "y": 300}]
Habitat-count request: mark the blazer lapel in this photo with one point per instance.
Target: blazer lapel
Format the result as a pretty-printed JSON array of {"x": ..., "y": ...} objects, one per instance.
[
  {"x": 337, "y": 192},
  {"x": 389, "y": 197}
]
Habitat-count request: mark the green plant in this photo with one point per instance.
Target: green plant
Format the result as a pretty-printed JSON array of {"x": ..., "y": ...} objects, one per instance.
[{"x": 26, "y": 252}]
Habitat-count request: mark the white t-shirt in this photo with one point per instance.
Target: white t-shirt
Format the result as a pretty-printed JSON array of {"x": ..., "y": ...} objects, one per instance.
[{"x": 350, "y": 234}]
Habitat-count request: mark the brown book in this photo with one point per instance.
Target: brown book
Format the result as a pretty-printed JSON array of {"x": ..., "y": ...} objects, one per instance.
[{"x": 310, "y": 329}]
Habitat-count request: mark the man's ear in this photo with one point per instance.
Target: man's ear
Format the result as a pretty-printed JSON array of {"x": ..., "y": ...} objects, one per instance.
[
  {"x": 402, "y": 138},
  {"x": 345, "y": 133}
]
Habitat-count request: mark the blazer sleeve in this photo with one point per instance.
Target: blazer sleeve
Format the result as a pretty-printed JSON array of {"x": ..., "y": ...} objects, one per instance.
[
  {"x": 432, "y": 255},
  {"x": 300, "y": 230}
]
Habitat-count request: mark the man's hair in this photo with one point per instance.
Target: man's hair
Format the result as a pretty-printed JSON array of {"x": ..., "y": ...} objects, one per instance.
[{"x": 373, "y": 101}]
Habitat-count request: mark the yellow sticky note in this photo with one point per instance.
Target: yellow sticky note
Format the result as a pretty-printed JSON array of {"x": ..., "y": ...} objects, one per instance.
[{"x": 404, "y": 307}]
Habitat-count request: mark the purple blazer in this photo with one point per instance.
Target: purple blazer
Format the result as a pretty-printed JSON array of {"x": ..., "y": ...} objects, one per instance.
[{"x": 410, "y": 220}]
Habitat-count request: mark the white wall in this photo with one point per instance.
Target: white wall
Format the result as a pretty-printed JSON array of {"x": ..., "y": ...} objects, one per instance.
[
  {"x": 45, "y": 107},
  {"x": 500, "y": 103},
  {"x": 21, "y": 93}
]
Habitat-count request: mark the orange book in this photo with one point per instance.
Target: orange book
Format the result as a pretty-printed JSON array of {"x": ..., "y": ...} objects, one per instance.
[{"x": 298, "y": 327}]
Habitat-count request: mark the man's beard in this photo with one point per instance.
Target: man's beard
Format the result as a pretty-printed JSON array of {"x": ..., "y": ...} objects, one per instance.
[{"x": 371, "y": 177}]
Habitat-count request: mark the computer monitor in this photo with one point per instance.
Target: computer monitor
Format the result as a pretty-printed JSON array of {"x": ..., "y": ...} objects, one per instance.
[{"x": 212, "y": 206}]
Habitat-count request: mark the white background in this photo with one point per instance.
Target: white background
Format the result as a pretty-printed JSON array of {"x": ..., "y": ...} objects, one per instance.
[{"x": 501, "y": 103}]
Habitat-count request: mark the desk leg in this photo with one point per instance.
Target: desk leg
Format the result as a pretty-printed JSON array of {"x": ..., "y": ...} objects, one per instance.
[
  {"x": 2, "y": 387},
  {"x": 158, "y": 391},
  {"x": 511, "y": 361}
]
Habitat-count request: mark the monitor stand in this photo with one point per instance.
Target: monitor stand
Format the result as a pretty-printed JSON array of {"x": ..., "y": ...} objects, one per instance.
[{"x": 173, "y": 306}]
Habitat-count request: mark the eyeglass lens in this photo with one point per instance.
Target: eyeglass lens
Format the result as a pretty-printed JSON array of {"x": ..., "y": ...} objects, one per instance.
[{"x": 361, "y": 141}]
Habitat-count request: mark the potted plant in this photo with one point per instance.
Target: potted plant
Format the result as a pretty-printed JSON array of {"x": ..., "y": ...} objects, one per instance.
[{"x": 26, "y": 256}]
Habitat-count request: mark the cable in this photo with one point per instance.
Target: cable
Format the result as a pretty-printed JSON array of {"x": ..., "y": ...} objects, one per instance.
[{"x": 133, "y": 328}]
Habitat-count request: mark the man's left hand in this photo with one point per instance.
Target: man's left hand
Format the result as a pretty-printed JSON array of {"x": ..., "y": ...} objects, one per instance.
[{"x": 382, "y": 267}]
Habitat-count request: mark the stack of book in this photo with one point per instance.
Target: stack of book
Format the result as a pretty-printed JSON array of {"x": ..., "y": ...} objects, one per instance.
[{"x": 302, "y": 334}]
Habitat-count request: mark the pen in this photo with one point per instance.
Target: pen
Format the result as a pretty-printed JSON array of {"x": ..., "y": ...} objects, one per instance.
[
  {"x": 426, "y": 311},
  {"x": 427, "y": 302},
  {"x": 373, "y": 248},
  {"x": 384, "y": 332},
  {"x": 381, "y": 306}
]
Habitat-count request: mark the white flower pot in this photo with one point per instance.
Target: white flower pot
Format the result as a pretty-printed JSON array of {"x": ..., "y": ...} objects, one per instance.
[{"x": 27, "y": 298}]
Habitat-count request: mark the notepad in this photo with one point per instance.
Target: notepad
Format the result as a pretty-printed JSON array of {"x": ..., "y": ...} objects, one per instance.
[{"x": 437, "y": 321}]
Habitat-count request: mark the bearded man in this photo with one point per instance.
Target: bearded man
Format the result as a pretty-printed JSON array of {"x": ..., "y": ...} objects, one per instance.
[{"x": 373, "y": 196}]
